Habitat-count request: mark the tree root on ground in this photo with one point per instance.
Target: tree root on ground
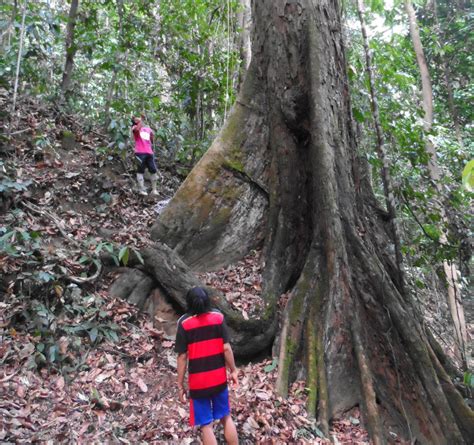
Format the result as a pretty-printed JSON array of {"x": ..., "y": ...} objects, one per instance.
[{"x": 165, "y": 269}]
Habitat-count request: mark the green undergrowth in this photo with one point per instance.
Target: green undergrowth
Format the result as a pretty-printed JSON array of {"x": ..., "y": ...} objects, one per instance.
[{"x": 63, "y": 324}]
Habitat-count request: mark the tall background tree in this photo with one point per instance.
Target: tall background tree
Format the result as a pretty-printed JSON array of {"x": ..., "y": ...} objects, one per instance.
[
  {"x": 450, "y": 269},
  {"x": 70, "y": 47}
]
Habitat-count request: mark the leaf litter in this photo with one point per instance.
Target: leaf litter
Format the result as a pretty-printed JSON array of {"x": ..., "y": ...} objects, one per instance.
[
  {"x": 115, "y": 382},
  {"x": 125, "y": 392}
]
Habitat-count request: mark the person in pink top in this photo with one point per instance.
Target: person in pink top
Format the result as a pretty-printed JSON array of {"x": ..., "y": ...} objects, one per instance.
[{"x": 143, "y": 137}]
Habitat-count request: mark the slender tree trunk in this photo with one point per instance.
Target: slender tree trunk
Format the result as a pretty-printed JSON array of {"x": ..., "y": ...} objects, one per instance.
[
  {"x": 111, "y": 90},
  {"x": 227, "y": 76},
  {"x": 288, "y": 144},
  {"x": 451, "y": 105},
  {"x": 380, "y": 143},
  {"x": 244, "y": 20},
  {"x": 450, "y": 270},
  {"x": 447, "y": 80},
  {"x": 20, "y": 50},
  {"x": 70, "y": 48},
  {"x": 110, "y": 95}
]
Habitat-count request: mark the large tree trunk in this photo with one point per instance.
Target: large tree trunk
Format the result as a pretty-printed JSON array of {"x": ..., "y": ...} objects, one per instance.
[{"x": 284, "y": 171}]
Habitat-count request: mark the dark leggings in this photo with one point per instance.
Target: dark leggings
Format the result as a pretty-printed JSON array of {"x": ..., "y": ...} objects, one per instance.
[{"x": 145, "y": 160}]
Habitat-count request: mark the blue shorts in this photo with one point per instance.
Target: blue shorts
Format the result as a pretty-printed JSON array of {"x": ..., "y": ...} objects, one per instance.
[
  {"x": 145, "y": 160},
  {"x": 204, "y": 411}
]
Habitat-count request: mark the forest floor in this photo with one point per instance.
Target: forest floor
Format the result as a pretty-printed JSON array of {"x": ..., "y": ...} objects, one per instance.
[{"x": 79, "y": 366}]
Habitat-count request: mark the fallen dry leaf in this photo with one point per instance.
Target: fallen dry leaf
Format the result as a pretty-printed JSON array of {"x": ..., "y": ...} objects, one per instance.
[
  {"x": 60, "y": 382},
  {"x": 141, "y": 384}
]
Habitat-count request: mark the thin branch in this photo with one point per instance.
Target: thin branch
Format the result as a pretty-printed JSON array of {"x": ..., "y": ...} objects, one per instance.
[
  {"x": 54, "y": 219},
  {"x": 405, "y": 201}
]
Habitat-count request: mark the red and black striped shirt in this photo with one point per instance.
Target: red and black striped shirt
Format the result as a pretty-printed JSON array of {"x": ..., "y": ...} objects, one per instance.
[{"x": 202, "y": 337}]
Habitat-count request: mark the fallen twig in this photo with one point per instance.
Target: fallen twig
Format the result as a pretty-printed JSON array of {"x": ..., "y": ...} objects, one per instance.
[
  {"x": 55, "y": 220},
  {"x": 9, "y": 377},
  {"x": 19, "y": 131},
  {"x": 83, "y": 280}
]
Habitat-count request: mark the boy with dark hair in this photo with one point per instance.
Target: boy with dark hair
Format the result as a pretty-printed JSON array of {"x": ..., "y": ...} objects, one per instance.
[
  {"x": 202, "y": 342},
  {"x": 143, "y": 137}
]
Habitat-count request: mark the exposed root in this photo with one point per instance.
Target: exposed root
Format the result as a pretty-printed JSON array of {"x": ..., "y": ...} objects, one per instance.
[
  {"x": 367, "y": 382},
  {"x": 91, "y": 279},
  {"x": 323, "y": 401},
  {"x": 464, "y": 415},
  {"x": 412, "y": 335},
  {"x": 134, "y": 286},
  {"x": 312, "y": 366},
  {"x": 283, "y": 367},
  {"x": 175, "y": 278},
  {"x": 293, "y": 320}
]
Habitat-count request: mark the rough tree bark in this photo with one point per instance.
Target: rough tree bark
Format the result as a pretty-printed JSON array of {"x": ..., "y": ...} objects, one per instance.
[
  {"x": 70, "y": 47},
  {"x": 450, "y": 269},
  {"x": 284, "y": 172}
]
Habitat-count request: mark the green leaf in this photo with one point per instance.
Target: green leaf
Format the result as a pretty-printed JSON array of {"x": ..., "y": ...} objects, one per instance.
[
  {"x": 93, "y": 333},
  {"x": 377, "y": 6},
  {"x": 53, "y": 353},
  {"x": 358, "y": 115},
  {"x": 45, "y": 276},
  {"x": 468, "y": 176},
  {"x": 432, "y": 231},
  {"x": 419, "y": 284},
  {"x": 271, "y": 366},
  {"x": 139, "y": 256},
  {"x": 112, "y": 335},
  {"x": 106, "y": 197},
  {"x": 95, "y": 394},
  {"x": 124, "y": 255},
  {"x": 469, "y": 379}
]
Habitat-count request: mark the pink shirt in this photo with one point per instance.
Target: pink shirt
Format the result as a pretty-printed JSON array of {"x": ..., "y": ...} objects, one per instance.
[{"x": 143, "y": 140}]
